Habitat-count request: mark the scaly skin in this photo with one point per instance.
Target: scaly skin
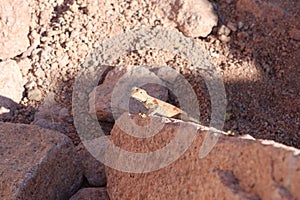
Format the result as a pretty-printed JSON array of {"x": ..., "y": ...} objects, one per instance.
[{"x": 156, "y": 106}]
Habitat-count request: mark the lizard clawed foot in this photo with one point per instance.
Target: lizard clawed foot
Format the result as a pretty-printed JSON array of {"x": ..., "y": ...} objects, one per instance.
[
  {"x": 231, "y": 133},
  {"x": 143, "y": 115}
]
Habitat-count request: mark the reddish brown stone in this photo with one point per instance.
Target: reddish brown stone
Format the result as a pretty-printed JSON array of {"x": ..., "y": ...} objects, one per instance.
[
  {"x": 93, "y": 169},
  {"x": 91, "y": 194},
  {"x": 37, "y": 163},
  {"x": 236, "y": 168}
]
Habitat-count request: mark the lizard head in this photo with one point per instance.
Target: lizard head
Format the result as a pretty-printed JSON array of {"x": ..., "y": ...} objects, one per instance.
[{"x": 139, "y": 94}]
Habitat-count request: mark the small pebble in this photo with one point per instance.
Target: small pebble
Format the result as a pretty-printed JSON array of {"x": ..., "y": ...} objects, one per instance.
[
  {"x": 232, "y": 26},
  {"x": 242, "y": 35},
  {"x": 240, "y": 25},
  {"x": 224, "y": 30},
  {"x": 35, "y": 95},
  {"x": 224, "y": 38}
]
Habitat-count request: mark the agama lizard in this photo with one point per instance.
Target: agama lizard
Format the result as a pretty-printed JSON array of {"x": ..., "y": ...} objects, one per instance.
[{"x": 156, "y": 106}]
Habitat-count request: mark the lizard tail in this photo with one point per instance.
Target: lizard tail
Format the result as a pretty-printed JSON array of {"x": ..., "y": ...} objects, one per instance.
[{"x": 188, "y": 118}]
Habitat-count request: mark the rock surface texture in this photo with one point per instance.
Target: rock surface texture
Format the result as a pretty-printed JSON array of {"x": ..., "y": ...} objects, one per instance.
[
  {"x": 37, "y": 163},
  {"x": 53, "y": 116},
  {"x": 91, "y": 194},
  {"x": 14, "y": 27},
  {"x": 236, "y": 168},
  {"x": 93, "y": 170},
  {"x": 11, "y": 85}
]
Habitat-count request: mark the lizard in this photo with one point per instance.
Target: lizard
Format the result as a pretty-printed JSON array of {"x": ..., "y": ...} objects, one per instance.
[{"x": 157, "y": 106}]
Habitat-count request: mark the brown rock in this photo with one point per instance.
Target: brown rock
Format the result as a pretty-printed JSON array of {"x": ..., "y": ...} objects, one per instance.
[
  {"x": 11, "y": 83},
  {"x": 37, "y": 163},
  {"x": 196, "y": 18},
  {"x": 236, "y": 168},
  {"x": 91, "y": 194},
  {"x": 14, "y": 27},
  {"x": 112, "y": 96},
  {"x": 93, "y": 169},
  {"x": 53, "y": 116}
]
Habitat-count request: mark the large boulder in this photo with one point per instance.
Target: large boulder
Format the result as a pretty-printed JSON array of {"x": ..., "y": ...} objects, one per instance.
[
  {"x": 14, "y": 28},
  {"x": 236, "y": 168},
  {"x": 37, "y": 163}
]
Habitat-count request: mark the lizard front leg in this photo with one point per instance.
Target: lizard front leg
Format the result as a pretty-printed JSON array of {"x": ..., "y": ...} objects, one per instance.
[
  {"x": 152, "y": 109},
  {"x": 143, "y": 115}
]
